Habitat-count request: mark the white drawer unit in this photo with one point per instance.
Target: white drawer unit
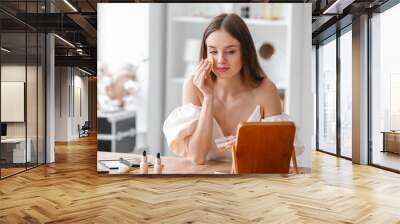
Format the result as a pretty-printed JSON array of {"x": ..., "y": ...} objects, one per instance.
[{"x": 14, "y": 150}]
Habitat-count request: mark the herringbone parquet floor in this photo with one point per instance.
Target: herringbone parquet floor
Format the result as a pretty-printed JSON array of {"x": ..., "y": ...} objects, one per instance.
[{"x": 71, "y": 191}]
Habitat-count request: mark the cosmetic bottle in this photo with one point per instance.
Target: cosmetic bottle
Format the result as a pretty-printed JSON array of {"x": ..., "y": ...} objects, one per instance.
[
  {"x": 144, "y": 168},
  {"x": 157, "y": 165}
]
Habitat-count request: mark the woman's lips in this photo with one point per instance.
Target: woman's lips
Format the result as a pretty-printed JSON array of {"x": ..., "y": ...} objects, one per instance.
[{"x": 222, "y": 69}]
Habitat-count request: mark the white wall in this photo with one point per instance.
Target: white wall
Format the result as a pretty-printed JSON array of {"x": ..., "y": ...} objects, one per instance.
[
  {"x": 313, "y": 89},
  {"x": 300, "y": 94},
  {"x": 157, "y": 60},
  {"x": 80, "y": 103},
  {"x": 50, "y": 95},
  {"x": 360, "y": 90},
  {"x": 67, "y": 82},
  {"x": 61, "y": 103}
]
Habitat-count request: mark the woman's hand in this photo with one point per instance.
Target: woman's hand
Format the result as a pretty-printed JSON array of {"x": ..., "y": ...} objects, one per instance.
[
  {"x": 202, "y": 78},
  {"x": 225, "y": 143}
]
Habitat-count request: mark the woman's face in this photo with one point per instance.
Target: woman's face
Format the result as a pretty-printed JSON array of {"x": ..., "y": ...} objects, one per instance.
[{"x": 224, "y": 50}]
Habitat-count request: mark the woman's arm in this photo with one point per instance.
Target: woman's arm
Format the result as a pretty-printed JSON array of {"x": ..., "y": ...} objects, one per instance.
[
  {"x": 200, "y": 86},
  {"x": 199, "y": 143}
]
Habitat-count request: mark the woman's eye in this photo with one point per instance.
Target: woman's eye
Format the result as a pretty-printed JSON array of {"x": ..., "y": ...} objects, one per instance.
[
  {"x": 231, "y": 52},
  {"x": 212, "y": 52}
]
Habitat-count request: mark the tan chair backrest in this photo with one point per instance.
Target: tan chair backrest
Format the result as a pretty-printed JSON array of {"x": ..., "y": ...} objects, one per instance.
[{"x": 263, "y": 147}]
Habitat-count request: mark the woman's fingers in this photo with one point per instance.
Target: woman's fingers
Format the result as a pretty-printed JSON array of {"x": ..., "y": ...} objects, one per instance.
[
  {"x": 209, "y": 67},
  {"x": 225, "y": 143},
  {"x": 198, "y": 79},
  {"x": 211, "y": 64},
  {"x": 194, "y": 80},
  {"x": 199, "y": 69},
  {"x": 208, "y": 71},
  {"x": 204, "y": 66},
  {"x": 200, "y": 63},
  {"x": 201, "y": 76}
]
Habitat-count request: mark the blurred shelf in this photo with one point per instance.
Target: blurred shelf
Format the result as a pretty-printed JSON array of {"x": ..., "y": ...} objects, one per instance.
[
  {"x": 191, "y": 19},
  {"x": 203, "y": 20},
  {"x": 178, "y": 80},
  {"x": 281, "y": 85},
  {"x": 266, "y": 22}
]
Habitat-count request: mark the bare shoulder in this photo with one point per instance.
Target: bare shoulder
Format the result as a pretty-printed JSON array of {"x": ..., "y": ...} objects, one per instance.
[
  {"x": 190, "y": 93},
  {"x": 267, "y": 86},
  {"x": 268, "y": 96}
]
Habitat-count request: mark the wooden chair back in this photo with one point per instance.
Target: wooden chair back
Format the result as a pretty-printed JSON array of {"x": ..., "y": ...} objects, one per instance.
[{"x": 264, "y": 147}]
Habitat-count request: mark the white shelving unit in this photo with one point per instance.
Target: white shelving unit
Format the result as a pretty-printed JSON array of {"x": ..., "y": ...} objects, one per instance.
[
  {"x": 249, "y": 22},
  {"x": 178, "y": 80}
]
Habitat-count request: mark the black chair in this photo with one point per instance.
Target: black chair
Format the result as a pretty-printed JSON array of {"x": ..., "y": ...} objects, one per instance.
[{"x": 84, "y": 130}]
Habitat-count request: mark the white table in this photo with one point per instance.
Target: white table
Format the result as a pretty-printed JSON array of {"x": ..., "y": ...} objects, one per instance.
[
  {"x": 172, "y": 165},
  {"x": 18, "y": 144}
]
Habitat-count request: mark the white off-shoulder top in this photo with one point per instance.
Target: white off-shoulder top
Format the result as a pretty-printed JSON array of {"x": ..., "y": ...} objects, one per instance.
[{"x": 181, "y": 124}]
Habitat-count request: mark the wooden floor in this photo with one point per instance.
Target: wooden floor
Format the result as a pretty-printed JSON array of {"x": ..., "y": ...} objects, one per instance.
[
  {"x": 5, "y": 172},
  {"x": 10, "y": 171},
  {"x": 71, "y": 191},
  {"x": 387, "y": 159}
]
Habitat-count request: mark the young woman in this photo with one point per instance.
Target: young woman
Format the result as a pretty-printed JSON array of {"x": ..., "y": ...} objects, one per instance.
[{"x": 227, "y": 88}]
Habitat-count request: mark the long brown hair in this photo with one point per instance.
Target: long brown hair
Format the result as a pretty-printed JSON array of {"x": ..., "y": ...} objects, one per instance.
[{"x": 251, "y": 71}]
